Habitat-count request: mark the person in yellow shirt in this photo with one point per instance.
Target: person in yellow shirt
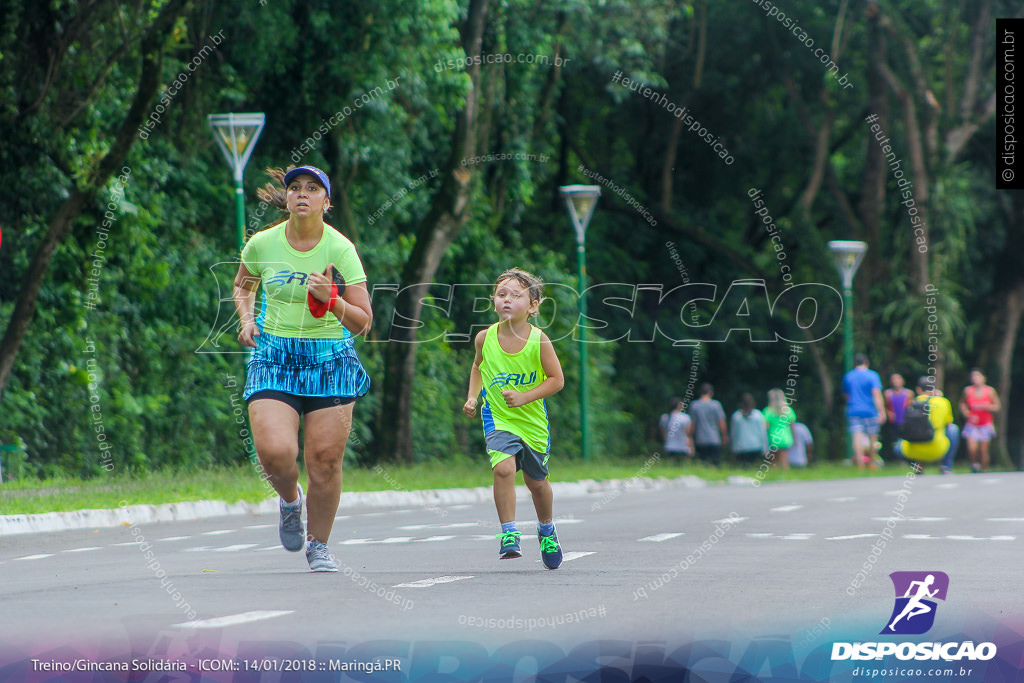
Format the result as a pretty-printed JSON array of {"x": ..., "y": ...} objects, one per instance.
[{"x": 940, "y": 414}]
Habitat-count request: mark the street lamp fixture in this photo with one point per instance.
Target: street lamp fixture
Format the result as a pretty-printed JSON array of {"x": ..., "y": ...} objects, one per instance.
[
  {"x": 581, "y": 200},
  {"x": 236, "y": 135},
  {"x": 847, "y": 254}
]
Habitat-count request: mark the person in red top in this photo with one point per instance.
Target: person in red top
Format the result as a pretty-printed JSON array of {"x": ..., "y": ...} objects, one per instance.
[{"x": 977, "y": 403}]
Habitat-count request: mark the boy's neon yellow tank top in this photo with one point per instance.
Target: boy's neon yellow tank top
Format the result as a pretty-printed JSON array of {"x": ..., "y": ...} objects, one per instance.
[{"x": 519, "y": 371}]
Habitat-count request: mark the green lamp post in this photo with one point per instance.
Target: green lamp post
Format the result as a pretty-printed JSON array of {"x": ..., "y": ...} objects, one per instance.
[
  {"x": 848, "y": 255},
  {"x": 581, "y": 200}
]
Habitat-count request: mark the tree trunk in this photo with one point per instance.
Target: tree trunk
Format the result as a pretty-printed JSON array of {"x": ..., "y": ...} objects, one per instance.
[
  {"x": 668, "y": 167},
  {"x": 1004, "y": 332},
  {"x": 872, "y": 202},
  {"x": 152, "y": 47},
  {"x": 448, "y": 213}
]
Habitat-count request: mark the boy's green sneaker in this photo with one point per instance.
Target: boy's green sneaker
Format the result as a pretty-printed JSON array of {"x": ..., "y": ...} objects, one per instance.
[
  {"x": 509, "y": 545},
  {"x": 550, "y": 550}
]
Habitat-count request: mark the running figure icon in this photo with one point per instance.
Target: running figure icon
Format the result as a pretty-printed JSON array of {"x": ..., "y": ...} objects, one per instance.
[
  {"x": 914, "y": 605},
  {"x": 916, "y": 596}
]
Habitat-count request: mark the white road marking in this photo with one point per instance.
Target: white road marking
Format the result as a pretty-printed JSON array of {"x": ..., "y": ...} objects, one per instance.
[
  {"x": 174, "y": 538},
  {"x": 115, "y": 545},
  {"x": 373, "y": 514},
  {"x": 218, "y": 532},
  {"x": 430, "y": 539},
  {"x": 569, "y": 557},
  {"x": 80, "y": 550},
  {"x": 1005, "y": 519},
  {"x": 269, "y": 547},
  {"x": 426, "y": 583},
  {"x": 850, "y": 537},
  {"x": 365, "y": 541},
  {"x": 335, "y": 519},
  {"x": 532, "y": 523},
  {"x": 196, "y": 549},
  {"x": 420, "y": 527},
  {"x": 729, "y": 520},
  {"x": 798, "y": 536},
  {"x": 262, "y": 526},
  {"x": 234, "y": 619},
  {"x": 786, "y": 508},
  {"x": 919, "y": 537},
  {"x": 760, "y": 534},
  {"x": 947, "y": 486},
  {"x": 966, "y": 538},
  {"x": 911, "y": 519},
  {"x": 235, "y": 548},
  {"x": 1003, "y": 538},
  {"x": 841, "y": 499},
  {"x": 658, "y": 538},
  {"x": 34, "y": 557}
]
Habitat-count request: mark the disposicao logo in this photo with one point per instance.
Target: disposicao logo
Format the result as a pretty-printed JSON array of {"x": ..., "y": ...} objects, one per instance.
[
  {"x": 913, "y": 614},
  {"x": 916, "y": 592}
]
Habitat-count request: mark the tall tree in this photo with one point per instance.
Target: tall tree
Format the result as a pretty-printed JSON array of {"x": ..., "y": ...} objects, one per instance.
[
  {"x": 448, "y": 212},
  {"x": 52, "y": 95}
]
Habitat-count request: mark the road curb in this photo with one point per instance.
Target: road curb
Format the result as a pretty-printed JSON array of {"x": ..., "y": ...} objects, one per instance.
[{"x": 11, "y": 525}]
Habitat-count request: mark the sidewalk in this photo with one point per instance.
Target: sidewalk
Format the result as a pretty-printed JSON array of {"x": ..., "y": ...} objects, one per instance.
[{"x": 204, "y": 509}]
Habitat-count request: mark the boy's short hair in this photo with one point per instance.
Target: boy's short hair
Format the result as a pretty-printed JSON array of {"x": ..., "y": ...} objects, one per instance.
[
  {"x": 926, "y": 383},
  {"x": 532, "y": 283}
]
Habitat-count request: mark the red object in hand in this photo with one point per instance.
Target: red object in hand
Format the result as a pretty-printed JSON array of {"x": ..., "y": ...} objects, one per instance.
[{"x": 319, "y": 308}]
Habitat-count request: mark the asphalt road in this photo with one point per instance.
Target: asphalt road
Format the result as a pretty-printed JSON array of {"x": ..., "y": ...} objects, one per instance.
[{"x": 641, "y": 565}]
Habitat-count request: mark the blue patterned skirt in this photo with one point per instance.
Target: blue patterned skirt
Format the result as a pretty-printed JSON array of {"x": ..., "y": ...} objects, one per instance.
[{"x": 306, "y": 367}]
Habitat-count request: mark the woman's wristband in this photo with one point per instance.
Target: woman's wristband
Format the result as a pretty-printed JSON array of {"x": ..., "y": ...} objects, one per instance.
[{"x": 319, "y": 308}]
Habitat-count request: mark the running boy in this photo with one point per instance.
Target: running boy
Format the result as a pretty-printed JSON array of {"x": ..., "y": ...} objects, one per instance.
[{"x": 516, "y": 369}]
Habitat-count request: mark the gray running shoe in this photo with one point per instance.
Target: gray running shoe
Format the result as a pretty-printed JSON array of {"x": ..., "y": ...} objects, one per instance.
[
  {"x": 319, "y": 557},
  {"x": 293, "y": 535}
]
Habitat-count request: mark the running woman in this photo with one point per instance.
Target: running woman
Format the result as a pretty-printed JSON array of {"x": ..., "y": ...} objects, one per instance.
[
  {"x": 516, "y": 369},
  {"x": 977, "y": 403},
  {"x": 303, "y": 365}
]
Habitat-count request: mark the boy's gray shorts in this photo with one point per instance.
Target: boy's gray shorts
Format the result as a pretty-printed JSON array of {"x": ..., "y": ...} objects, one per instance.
[{"x": 501, "y": 445}]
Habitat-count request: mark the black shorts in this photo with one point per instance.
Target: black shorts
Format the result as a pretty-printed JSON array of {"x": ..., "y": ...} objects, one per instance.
[{"x": 302, "y": 404}]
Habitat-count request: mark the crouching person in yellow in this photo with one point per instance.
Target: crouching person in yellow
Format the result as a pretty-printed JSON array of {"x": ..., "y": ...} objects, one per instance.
[
  {"x": 914, "y": 432},
  {"x": 516, "y": 369}
]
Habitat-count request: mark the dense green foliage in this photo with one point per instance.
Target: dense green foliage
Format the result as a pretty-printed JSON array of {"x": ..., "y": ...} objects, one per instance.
[{"x": 150, "y": 364}]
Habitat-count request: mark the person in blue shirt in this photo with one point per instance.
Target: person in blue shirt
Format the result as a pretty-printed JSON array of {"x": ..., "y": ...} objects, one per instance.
[{"x": 865, "y": 410}]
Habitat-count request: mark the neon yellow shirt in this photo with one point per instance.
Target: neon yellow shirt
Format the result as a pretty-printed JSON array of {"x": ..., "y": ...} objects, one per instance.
[
  {"x": 520, "y": 371},
  {"x": 284, "y": 272},
  {"x": 940, "y": 414}
]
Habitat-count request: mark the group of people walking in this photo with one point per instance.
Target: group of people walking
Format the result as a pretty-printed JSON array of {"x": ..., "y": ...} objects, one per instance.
[
  {"x": 701, "y": 432},
  {"x": 921, "y": 434}
]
